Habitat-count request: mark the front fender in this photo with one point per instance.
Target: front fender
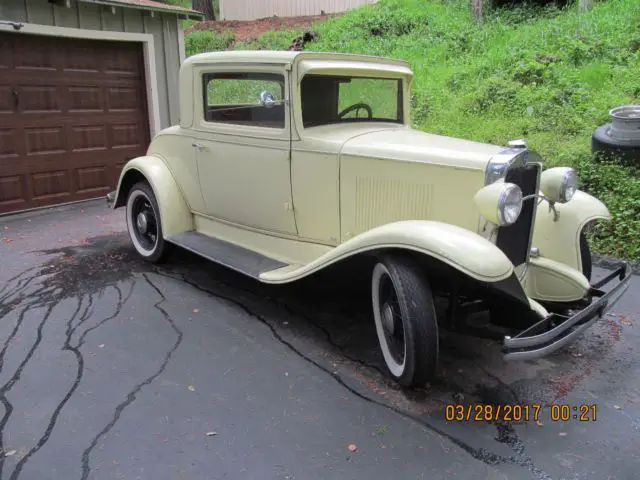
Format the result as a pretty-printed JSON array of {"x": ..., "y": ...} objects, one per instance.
[
  {"x": 560, "y": 240},
  {"x": 462, "y": 249},
  {"x": 175, "y": 214}
]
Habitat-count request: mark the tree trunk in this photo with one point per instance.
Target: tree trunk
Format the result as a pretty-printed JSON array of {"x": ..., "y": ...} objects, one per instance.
[
  {"x": 204, "y": 6},
  {"x": 585, "y": 5},
  {"x": 477, "y": 9}
]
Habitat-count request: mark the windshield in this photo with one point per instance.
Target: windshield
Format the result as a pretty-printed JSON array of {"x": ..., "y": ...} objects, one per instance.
[{"x": 336, "y": 99}]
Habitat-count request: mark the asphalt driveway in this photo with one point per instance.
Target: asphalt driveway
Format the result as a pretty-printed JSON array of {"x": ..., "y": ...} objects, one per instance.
[{"x": 112, "y": 368}]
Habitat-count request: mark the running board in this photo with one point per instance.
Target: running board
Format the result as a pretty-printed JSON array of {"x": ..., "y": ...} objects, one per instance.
[{"x": 232, "y": 256}]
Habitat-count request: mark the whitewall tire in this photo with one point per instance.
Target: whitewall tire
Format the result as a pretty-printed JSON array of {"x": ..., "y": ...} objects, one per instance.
[
  {"x": 405, "y": 320},
  {"x": 143, "y": 223}
]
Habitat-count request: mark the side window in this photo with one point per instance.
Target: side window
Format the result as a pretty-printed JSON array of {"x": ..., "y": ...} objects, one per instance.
[{"x": 255, "y": 99}]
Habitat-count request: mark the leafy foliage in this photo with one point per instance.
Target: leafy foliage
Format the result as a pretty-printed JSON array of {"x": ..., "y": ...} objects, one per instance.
[
  {"x": 207, "y": 41},
  {"x": 545, "y": 73}
]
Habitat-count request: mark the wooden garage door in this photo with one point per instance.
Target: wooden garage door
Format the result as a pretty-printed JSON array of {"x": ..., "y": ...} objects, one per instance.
[{"x": 71, "y": 113}]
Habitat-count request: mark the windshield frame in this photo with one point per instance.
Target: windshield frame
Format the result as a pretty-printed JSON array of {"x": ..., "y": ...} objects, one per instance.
[{"x": 400, "y": 106}]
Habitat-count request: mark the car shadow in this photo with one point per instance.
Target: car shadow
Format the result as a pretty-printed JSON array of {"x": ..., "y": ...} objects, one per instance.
[{"x": 327, "y": 319}]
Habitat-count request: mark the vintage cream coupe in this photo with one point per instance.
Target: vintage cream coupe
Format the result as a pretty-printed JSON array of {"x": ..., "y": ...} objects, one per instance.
[{"x": 285, "y": 163}]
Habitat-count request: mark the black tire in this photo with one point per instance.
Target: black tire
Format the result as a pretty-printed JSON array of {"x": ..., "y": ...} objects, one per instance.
[
  {"x": 399, "y": 288},
  {"x": 149, "y": 244},
  {"x": 608, "y": 147},
  {"x": 585, "y": 256}
]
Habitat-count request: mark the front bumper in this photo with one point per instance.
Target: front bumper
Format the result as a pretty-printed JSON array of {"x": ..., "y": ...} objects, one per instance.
[
  {"x": 556, "y": 331},
  {"x": 111, "y": 198}
]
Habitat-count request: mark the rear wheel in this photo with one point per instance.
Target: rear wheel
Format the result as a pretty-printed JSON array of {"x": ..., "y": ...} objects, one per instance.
[
  {"x": 405, "y": 318},
  {"x": 143, "y": 223}
]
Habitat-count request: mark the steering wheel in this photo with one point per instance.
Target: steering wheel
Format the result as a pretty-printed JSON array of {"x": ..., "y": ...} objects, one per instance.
[{"x": 356, "y": 106}]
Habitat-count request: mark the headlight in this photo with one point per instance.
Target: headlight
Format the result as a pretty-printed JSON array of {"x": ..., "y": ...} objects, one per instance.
[
  {"x": 500, "y": 203},
  {"x": 559, "y": 184},
  {"x": 510, "y": 204},
  {"x": 569, "y": 185}
]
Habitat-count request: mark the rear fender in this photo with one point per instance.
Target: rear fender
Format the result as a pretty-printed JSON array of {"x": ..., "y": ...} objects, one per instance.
[
  {"x": 465, "y": 251},
  {"x": 175, "y": 214},
  {"x": 560, "y": 240}
]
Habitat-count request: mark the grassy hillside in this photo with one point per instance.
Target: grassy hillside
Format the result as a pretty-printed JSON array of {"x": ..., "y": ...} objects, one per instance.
[{"x": 545, "y": 74}]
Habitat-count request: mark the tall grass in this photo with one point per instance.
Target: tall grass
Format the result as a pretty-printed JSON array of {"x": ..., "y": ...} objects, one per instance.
[{"x": 547, "y": 74}]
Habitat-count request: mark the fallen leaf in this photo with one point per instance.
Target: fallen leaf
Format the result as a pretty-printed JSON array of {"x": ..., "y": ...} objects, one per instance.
[
  {"x": 539, "y": 423},
  {"x": 196, "y": 310},
  {"x": 562, "y": 434},
  {"x": 352, "y": 447},
  {"x": 101, "y": 345},
  {"x": 191, "y": 388},
  {"x": 211, "y": 434},
  {"x": 10, "y": 453},
  {"x": 617, "y": 407}
]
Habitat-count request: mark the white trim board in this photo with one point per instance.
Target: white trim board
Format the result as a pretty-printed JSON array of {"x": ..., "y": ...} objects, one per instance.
[
  {"x": 181, "y": 47},
  {"x": 148, "y": 48}
]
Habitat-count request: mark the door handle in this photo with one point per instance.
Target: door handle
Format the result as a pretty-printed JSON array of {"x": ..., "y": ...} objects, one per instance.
[
  {"x": 16, "y": 97},
  {"x": 197, "y": 145}
]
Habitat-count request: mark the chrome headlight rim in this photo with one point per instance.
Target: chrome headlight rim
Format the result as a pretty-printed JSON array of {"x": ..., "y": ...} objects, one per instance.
[
  {"x": 569, "y": 185},
  {"x": 510, "y": 194}
]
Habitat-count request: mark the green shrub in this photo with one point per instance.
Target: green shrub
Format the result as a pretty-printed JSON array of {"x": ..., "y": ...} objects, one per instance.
[{"x": 207, "y": 41}]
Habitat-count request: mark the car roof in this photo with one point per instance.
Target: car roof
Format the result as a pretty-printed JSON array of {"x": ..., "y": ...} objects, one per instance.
[{"x": 283, "y": 57}]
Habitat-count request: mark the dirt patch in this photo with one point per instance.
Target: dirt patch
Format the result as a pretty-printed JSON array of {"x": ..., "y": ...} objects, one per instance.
[{"x": 248, "y": 30}]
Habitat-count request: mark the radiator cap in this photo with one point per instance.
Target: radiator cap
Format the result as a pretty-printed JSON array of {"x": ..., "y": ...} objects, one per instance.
[{"x": 520, "y": 143}]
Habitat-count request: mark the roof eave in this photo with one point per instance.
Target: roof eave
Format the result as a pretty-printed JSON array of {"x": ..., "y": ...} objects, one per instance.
[{"x": 181, "y": 13}]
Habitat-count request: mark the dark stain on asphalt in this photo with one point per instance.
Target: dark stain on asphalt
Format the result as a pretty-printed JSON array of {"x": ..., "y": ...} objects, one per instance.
[
  {"x": 80, "y": 273},
  {"x": 88, "y": 270}
]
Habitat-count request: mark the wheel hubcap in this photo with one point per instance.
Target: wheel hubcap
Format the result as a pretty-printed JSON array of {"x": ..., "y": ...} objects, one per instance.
[
  {"x": 142, "y": 223},
  {"x": 388, "y": 319}
]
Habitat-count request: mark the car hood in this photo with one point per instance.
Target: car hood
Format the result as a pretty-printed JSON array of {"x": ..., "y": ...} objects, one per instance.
[{"x": 408, "y": 145}]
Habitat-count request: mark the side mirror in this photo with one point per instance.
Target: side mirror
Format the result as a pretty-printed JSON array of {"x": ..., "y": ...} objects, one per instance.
[{"x": 267, "y": 99}]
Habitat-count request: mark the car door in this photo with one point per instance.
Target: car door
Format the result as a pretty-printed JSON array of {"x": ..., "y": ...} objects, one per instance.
[{"x": 242, "y": 142}]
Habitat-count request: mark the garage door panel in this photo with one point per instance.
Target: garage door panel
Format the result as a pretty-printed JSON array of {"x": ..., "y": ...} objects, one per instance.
[
  {"x": 51, "y": 185},
  {"x": 93, "y": 179},
  {"x": 12, "y": 192},
  {"x": 123, "y": 99},
  {"x": 8, "y": 143},
  {"x": 81, "y": 59},
  {"x": 7, "y": 101},
  {"x": 40, "y": 99},
  {"x": 81, "y": 114},
  {"x": 6, "y": 47},
  {"x": 88, "y": 138},
  {"x": 32, "y": 54},
  {"x": 127, "y": 136},
  {"x": 45, "y": 141},
  {"x": 122, "y": 62},
  {"x": 85, "y": 99}
]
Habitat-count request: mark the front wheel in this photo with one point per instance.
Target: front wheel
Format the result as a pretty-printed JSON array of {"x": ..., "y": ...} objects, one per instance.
[
  {"x": 405, "y": 319},
  {"x": 143, "y": 223}
]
